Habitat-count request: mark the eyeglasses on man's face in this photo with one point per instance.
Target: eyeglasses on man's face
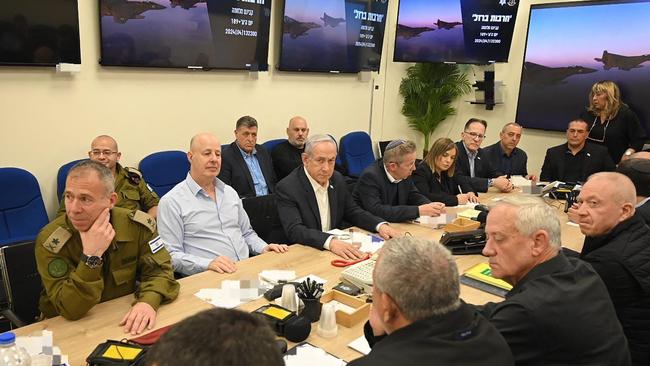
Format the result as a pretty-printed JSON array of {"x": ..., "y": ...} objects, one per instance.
[
  {"x": 475, "y": 136},
  {"x": 98, "y": 153}
]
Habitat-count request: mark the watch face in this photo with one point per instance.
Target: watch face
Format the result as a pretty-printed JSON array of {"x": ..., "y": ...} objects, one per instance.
[{"x": 94, "y": 261}]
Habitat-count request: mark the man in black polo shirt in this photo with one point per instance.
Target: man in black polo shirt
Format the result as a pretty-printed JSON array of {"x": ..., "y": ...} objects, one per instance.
[
  {"x": 506, "y": 156},
  {"x": 287, "y": 156},
  {"x": 577, "y": 159}
]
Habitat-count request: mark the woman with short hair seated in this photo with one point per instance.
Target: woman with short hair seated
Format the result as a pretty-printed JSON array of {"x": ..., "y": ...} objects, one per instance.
[{"x": 435, "y": 178}]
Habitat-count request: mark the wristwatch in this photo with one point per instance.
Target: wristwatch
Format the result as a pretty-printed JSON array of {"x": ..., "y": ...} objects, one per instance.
[
  {"x": 92, "y": 261},
  {"x": 489, "y": 182}
]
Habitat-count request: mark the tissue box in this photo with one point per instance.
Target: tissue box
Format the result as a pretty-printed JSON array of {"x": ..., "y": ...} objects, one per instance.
[{"x": 461, "y": 224}]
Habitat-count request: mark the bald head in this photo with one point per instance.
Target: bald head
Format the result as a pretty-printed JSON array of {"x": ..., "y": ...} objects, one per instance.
[
  {"x": 297, "y": 132},
  {"x": 615, "y": 185},
  {"x": 297, "y": 120},
  {"x": 205, "y": 158},
  {"x": 200, "y": 138},
  {"x": 105, "y": 140},
  {"x": 606, "y": 200}
]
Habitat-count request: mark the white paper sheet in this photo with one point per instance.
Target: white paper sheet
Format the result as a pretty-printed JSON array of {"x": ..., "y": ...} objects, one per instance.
[
  {"x": 360, "y": 345},
  {"x": 307, "y": 354}
]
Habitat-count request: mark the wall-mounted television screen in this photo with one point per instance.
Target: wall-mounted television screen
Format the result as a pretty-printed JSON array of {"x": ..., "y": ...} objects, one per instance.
[
  {"x": 570, "y": 47},
  {"x": 202, "y": 34},
  {"x": 39, "y": 32},
  {"x": 332, "y": 35},
  {"x": 460, "y": 31}
]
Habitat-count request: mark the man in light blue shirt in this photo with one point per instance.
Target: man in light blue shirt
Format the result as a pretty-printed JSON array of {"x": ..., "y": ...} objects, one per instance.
[
  {"x": 202, "y": 221},
  {"x": 261, "y": 189},
  {"x": 247, "y": 166}
]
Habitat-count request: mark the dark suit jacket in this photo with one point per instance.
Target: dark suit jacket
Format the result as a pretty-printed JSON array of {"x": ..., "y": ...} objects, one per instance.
[
  {"x": 299, "y": 213},
  {"x": 286, "y": 158},
  {"x": 235, "y": 173},
  {"x": 444, "y": 191},
  {"x": 518, "y": 159},
  {"x": 376, "y": 194},
  {"x": 482, "y": 169},
  {"x": 596, "y": 160}
]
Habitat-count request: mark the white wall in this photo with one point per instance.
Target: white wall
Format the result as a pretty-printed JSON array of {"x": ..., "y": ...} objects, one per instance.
[{"x": 47, "y": 119}]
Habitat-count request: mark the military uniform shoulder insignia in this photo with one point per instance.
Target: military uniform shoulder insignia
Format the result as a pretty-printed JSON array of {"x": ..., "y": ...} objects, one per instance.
[
  {"x": 57, "y": 240},
  {"x": 133, "y": 175},
  {"x": 144, "y": 219},
  {"x": 133, "y": 171}
]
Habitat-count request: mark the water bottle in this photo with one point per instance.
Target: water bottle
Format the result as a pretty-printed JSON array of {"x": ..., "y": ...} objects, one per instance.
[{"x": 10, "y": 354}]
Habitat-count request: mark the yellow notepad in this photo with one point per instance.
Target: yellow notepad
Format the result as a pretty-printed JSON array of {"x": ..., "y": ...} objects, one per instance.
[
  {"x": 482, "y": 272},
  {"x": 122, "y": 352}
]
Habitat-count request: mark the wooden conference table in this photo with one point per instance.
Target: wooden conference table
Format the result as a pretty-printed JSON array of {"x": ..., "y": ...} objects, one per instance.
[{"x": 78, "y": 338}]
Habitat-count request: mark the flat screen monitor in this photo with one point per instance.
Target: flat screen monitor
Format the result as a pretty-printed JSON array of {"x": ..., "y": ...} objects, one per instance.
[
  {"x": 455, "y": 31},
  {"x": 571, "y": 46},
  {"x": 332, "y": 35},
  {"x": 201, "y": 34},
  {"x": 39, "y": 32}
]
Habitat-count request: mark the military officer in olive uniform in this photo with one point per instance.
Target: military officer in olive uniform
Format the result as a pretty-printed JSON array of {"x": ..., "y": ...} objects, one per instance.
[
  {"x": 132, "y": 191},
  {"x": 97, "y": 252}
]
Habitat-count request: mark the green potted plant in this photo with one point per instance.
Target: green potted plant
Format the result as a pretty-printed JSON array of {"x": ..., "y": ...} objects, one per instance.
[{"x": 428, "y": 91}]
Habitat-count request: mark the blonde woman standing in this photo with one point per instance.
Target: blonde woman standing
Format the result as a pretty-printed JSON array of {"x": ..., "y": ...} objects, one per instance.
[{"x": 611, "y": 122}]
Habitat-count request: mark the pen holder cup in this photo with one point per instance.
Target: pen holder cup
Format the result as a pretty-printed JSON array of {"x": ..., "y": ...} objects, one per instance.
[{"x": 312, "y": 309}]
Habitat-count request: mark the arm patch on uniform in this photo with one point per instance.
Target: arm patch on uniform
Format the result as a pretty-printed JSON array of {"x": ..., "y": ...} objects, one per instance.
[
  {"x": 144, "y": 219},
  {"x": 57, "y": 240},
  {"x": 156, "y": 244},
  {"x": 57, "y": 268}
]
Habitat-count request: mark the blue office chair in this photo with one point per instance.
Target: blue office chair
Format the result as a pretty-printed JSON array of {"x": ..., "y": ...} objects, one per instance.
[
  {"x": 165, "y": 169},
  {"x": 356, "y": 152},
  {"x": 22, "y": 212},
  {"x": 62, "y": 175},
  {"x": 271, "y": 144}
]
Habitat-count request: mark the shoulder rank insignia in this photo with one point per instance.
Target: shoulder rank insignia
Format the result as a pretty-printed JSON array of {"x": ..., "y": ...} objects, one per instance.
[
  {"x": 133, "y": 175},
  {"x": 144, "y": 219},
  {"x": 57, "y": 240}
]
